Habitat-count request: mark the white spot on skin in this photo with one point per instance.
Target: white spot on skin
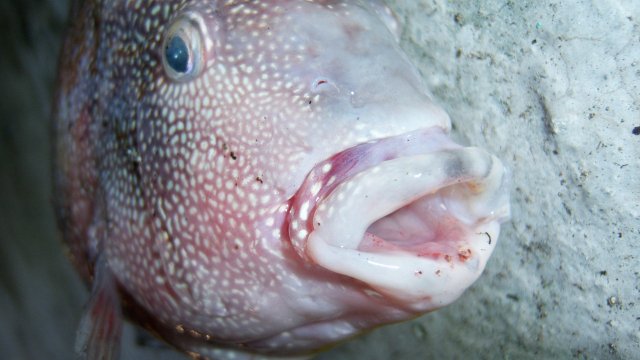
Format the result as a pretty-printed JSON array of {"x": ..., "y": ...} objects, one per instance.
[
  {"x": 304, "y": 211},
  {"x": 315, "y": 188}
]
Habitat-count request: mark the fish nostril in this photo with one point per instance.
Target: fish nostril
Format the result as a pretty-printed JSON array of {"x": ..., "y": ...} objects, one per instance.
[{"x": 323, "y": 85}]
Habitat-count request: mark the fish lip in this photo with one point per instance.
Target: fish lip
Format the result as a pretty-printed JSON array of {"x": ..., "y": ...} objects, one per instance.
[
  {"x": 325, "y": 176},
  {"x": 462, "y": 265}
]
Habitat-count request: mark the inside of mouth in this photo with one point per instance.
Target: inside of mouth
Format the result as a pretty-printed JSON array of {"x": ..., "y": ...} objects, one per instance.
[{"x": 424, "y": 227}]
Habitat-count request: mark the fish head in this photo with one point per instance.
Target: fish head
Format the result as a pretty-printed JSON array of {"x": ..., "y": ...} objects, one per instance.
[
  {"x": 303, "y": 124},
  {"x": 279, "y": 177},
  {"x": 307, "y": 104}
]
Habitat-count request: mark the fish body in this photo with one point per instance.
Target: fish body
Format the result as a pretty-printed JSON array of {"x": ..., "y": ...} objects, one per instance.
[{"x": 259, "y": 177}]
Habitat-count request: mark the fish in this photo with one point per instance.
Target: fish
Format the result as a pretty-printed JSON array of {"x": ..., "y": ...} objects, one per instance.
[{"x": 257, "y": 179}]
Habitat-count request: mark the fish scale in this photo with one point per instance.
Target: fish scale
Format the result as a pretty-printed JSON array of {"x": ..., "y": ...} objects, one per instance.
[{"x": 191, "y": 134}]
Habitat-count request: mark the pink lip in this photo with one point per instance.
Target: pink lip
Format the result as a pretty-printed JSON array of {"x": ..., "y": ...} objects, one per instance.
[
  {"x": 388, "y": 211},
  {"x": 330, "y": 173}
]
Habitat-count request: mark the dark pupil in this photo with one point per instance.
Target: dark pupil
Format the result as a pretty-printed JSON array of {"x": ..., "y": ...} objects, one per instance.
[{"x": 177, "y": 54}]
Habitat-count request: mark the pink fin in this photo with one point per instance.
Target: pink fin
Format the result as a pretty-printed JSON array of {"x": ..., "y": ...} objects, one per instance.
[{"x": 98, "y": 336}]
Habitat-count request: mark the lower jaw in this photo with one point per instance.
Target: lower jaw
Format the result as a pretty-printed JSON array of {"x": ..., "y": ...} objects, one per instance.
[{"x": 426, "y": 279}]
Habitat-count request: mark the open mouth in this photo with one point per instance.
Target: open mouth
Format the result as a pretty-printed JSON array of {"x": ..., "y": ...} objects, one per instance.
[{"x": 415, "y": 216}]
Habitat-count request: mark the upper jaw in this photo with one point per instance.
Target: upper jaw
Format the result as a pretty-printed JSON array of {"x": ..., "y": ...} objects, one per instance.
[{"x": 414, "y": 216}]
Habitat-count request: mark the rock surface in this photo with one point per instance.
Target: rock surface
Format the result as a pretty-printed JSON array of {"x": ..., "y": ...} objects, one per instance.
[{"x": 552, "y": 88}]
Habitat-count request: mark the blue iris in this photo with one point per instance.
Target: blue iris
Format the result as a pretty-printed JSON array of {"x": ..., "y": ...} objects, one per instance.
[{"x": 177, "y": 54}]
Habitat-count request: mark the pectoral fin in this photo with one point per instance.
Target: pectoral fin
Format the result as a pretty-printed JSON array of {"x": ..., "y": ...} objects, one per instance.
[{"x": 100, "y": 329}]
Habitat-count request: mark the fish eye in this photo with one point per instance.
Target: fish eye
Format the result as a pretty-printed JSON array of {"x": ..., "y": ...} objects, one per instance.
[
  {"x": 177, "y": 54},
  {"x": 182, "y": 52}
]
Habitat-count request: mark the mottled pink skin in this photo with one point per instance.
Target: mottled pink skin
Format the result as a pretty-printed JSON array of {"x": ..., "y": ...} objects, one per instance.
[{"x": 188, "y": 186}]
